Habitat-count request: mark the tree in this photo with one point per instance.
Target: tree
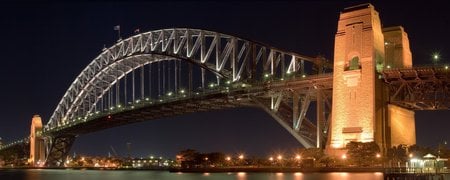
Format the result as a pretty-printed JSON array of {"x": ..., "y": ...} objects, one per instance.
[
  {"x": 419, "y": 151},
  {"x": 189, "y": 158},
  {"x": 327, "y": 161},
  {"x": 315, "y": 153},
  {"x": 363, "y": 153},
  {"x": 397, "y": 154},
  {"x": 216, "y": 158}
]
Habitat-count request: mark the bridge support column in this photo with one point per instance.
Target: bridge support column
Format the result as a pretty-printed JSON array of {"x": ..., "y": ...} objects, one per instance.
[
  {"x": 358, "y": 56},
  {"x": 402, "y": 128},
  {"x": 362, "y": 51},
  {"x": 320, "y": 118},
  {"x": 37, "y": 145}
]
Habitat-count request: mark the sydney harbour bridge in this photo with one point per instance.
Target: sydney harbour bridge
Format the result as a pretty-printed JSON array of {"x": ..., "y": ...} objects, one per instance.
[{"x": 171, "y": 72}]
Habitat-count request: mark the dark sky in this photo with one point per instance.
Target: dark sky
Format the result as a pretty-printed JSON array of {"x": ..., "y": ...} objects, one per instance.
[{"x": 46, "y": 45}]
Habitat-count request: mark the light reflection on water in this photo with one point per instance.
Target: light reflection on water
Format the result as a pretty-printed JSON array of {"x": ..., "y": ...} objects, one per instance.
[{"x": 35, "y": 174}]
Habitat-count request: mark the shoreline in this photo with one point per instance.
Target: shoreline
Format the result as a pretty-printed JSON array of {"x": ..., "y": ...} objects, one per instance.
[
  {"x": 217, "y": 169},
  {"x": 275, "y": 170},
  {"x": 384, "y": 171}
]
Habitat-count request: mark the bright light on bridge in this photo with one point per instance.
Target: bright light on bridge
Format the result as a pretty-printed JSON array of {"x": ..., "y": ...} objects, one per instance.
[{"x": 436, "y": 56}]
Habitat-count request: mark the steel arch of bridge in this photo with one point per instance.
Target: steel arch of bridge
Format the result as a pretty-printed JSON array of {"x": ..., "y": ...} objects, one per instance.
[{"x": 228, "y": 57}]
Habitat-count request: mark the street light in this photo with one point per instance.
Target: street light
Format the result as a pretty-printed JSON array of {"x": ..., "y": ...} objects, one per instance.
[
  {"x": 298, "y": 157},
  {"x": 439, "y": 148},
  {"x": 435, "y": 57},
  {"x": 241, "y": 156},
  {"x": 280, "y": 157}
]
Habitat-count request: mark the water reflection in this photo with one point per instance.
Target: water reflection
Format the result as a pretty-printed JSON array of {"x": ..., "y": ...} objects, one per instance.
[
  {"x": 163, "y": 175},
  {"x": 242, "y": 176},
  {"x": 298, "y": 176},
  {"x": 279, "y": 176}
]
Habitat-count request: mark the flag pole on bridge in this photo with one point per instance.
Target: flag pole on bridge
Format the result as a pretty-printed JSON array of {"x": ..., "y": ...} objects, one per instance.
[{"x": 117, "y": 28}]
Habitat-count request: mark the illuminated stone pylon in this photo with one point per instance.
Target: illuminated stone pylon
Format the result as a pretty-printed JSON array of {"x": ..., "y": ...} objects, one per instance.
[
  {"x": 400, "y": 125},
  {"x": 37, "y": 146},
  {"x": 359, "y": 110}
]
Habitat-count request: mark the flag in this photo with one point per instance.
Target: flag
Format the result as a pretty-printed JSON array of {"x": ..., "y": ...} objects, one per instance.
[{"x": 117, "y": 28}]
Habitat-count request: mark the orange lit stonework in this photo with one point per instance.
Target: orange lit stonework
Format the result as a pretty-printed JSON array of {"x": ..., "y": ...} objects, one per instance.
[{"x": 359, "y": 110}]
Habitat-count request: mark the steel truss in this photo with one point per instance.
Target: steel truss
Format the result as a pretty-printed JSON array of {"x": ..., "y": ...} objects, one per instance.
[
  {"x": 288, "y": 103},
  {"x": 419, "y": 88},
  {"x": 257, "y": 74},
  {"x": 57, "y": 149},
  {"x": 228, "y": 57}
]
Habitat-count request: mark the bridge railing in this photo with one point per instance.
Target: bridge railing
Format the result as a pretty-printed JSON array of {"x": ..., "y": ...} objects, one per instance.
[{"x": 20, "y": 141}]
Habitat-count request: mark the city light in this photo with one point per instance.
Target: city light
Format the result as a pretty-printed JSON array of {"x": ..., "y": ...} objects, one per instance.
[
  {"x": 270, "y": 158},
  {"x": 241, "y": 156},
  {"x": 279, "y": 157},
  {"x": 228, "y": 158},
  {"x": 298, "y": 157},
  {"x": 436, "y": 56},
  {"x": 378, "y": 155},
  {"x": 344, "y": 156}
]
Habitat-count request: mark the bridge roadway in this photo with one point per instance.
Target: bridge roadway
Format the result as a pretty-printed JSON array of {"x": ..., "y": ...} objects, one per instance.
[{"x": 419, "y": 88}]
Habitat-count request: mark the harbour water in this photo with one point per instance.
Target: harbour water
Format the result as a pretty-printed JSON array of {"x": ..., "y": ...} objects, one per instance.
[{"x": 67, "y": 174}]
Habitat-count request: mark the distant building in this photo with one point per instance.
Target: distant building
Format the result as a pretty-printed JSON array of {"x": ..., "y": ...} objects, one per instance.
[
  {"x": 428, "y": 164},
  {"x": 150, "y": 162}
]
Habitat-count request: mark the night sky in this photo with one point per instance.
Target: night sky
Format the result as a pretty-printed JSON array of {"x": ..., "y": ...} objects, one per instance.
[{"x": 46, "y": 45}]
